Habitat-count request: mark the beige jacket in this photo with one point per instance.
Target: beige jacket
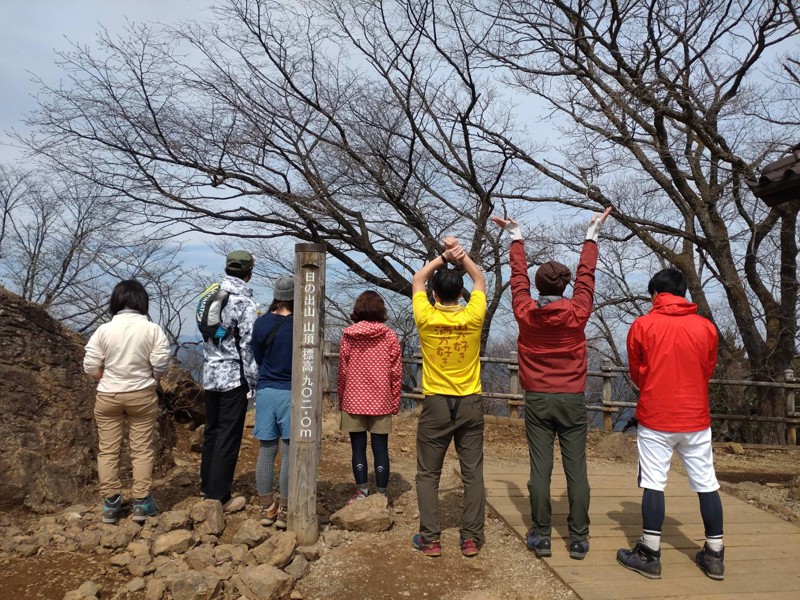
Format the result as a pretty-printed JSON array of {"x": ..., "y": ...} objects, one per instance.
[{"x": 131, "y": 351}]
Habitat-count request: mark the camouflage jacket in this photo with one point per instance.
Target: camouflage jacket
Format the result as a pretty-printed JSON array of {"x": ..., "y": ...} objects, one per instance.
[{"x": 222, "y": 369}]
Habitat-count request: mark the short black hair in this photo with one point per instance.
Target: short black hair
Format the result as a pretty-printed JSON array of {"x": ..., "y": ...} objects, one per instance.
[
  {"x": 447, "y": 284},
  {"x": 129, "y": 294},
  {"x": 671, "y": 281}
]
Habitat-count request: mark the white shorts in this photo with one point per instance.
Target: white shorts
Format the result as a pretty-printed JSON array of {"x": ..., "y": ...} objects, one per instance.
[{"x": 655, "y": 456}]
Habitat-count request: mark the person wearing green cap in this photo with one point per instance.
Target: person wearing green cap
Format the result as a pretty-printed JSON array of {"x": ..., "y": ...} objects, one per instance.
[{"x": 230, "y": 373}]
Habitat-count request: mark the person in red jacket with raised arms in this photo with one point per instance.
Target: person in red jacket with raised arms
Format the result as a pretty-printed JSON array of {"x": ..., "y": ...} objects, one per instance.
[
  {"x": 370, "y": 378},
  {"x": 552, "y": 371},
  {"x": 672, "y": 352}
]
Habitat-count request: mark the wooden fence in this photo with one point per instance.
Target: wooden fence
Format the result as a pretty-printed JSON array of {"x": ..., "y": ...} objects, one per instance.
[{"x": 515, "y": 398}]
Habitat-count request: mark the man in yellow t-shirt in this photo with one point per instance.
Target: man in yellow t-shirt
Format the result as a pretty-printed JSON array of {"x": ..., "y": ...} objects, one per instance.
[{"x": 450, "y": 336}]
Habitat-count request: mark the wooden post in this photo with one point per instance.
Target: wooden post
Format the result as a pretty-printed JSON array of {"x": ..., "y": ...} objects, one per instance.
[
  {"x": 791, "y": 429},
  {"x": 307, "y": 380},
  {"x": 513, "y": 380},
  {"x": 608, "y": 380},
  {"x": 329, "y": 393}
]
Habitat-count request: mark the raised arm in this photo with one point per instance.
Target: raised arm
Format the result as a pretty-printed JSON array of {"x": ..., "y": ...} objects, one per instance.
[{"x": 453, "y": 254}]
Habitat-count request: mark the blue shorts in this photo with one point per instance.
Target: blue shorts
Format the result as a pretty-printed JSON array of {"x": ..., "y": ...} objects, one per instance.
[{"x": 273, "y": 410}]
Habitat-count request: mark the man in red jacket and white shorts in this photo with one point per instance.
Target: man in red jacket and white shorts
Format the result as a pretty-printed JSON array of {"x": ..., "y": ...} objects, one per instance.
[{"x": 672, "y": 352}]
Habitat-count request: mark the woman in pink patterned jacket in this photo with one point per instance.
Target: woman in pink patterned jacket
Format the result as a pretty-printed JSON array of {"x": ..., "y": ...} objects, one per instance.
[{"x": 370, "y": 374}]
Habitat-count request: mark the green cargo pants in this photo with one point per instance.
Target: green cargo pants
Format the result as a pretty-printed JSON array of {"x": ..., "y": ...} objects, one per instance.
[
  {"x": 460, "y": 419},
  {"x": 548, "y": 415}
]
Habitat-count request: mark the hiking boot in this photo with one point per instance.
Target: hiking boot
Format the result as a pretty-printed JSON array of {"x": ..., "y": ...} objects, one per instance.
[
  {"x": 641, "y": 559},
  {"x": 235, "y": 504},
  {"x": 540, "y": 544},
  {"x": 268, "y": 514},
  {"x": 432, "y": 549},
  {"x": 281, "y": 521},
  {"x": 711, "y": 563},
  {"x": 469, "y": 548},
  {"x": 358, "y": 495},
  {"x": 578, "y": 550},
  {"x": 112, "y": 507},
  {"x": 143, "y": 508}
]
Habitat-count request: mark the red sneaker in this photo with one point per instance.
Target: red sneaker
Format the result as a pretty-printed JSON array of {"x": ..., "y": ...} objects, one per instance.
[
  {"x": 432, "y": 549},
  {"x": 469, "y": 548}
]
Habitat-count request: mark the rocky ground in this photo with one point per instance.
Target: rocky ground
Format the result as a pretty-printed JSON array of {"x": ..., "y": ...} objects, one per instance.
[{"x": 191, "y": 552}]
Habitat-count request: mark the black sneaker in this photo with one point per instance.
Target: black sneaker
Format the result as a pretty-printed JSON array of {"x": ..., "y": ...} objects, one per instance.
[
  {"x": 641, "y": 559},
  {"x": 712, "y": 563},
  {"x": 540, "y": 544},
  {"x": 578, "y": 550}
]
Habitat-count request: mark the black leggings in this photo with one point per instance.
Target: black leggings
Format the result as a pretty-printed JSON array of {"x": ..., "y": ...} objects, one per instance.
[{"x": 380, "y": 455}]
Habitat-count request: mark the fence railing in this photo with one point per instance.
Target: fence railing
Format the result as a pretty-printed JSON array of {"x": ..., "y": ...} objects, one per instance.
[{"x": 515, "y": 398}]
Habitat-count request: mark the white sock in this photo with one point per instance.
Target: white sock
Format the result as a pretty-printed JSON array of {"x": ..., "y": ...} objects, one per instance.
[
  {"x": 714, "y": 543},
  {"x": 651, "y": 539}
]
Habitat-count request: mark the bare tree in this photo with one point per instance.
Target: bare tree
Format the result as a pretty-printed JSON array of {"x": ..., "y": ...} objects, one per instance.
[
  {"x": 351, "y": 124},
  {"x": 667, "y": 99}
]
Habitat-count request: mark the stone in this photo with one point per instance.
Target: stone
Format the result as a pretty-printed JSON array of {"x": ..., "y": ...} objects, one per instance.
[
  {"x": 192, "y": 585},
  {"x": 372, "y": 514},
  {"x": 138, "y": 549},
  {"x": 200, "y": 557},
  {"x": 114, "y": 537},
  {"x": 155, "y": 590},
  {"x": 229, "y": 552},
  {"x": 89, "y": 540},
  {"x": 311, "y": 553},
  {"x": 48, "y": 432},
  {"x": 333, "y": 537},
  {"x": 251, "y": 533},
  {"x": 173, "y": 519},
  {"x": 26, "y": 549},
  {"x": 263, "y": 582},
  {"x": 298, "y": 568},
  {"x": 122, "y": 559},
  {"x": 208, "y": 517},
  {"x": 198, "y": 436},
  {"x": 141, "y": 566},
  {"x": 171, "y": 567},
  {"x": 223, "y": 571},
  {"x": 136, "y": 585},
  {"x": 276, "y": 551},
  {"x": 734, "y": 448},
  {"x": 88, "y": 588},
  {"x": 179, "y": 540}
]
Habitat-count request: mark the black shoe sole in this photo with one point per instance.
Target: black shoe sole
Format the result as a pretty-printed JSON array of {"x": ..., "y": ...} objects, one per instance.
[
  {"x": 540, "y": 553},
  {"x": 577, "y": 556},
  {"x": 710, "y": 575},
  {"x": 640, "y": 572}
]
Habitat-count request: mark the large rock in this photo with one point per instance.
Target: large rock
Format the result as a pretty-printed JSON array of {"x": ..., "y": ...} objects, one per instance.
[
  {"x": 49, "y": 439},
  {"x": 183, "y": 395},
  {"x": 251, "y": 533},
  {"x": 178, "y": 541},
  {"x": 192, "y": 585},
  {"x": 208, "y": 517},
  {"x": 371, "y": 514},
  {"x": 198, "y": 438},
  {"x": 276, "y": 551},
  {"x": 264, "y": 582}
]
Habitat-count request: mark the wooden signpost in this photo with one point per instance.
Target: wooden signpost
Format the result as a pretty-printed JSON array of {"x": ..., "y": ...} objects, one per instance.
[{"x": 306, "y": 428}]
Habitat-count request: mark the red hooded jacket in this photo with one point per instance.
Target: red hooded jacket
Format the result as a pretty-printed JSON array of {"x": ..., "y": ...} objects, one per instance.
[
  {"x": 672, "y": 352},
  {"x": 551, "y": 344},
  {"x": 370, "y": 371}
]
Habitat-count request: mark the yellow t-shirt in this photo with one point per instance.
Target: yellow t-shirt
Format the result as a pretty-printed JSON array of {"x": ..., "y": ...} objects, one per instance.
[{"x": 450, "y": 338}]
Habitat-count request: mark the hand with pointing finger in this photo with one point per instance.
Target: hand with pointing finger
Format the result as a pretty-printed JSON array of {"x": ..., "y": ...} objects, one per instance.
[{"x": 593, "y": 233}]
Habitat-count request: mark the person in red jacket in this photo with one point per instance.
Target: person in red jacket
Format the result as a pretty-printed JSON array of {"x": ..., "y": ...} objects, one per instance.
[
  {"x": 370, "y": 374},
  {"x": 672, "y": 352},
  {"x": 552, "y": 371}
]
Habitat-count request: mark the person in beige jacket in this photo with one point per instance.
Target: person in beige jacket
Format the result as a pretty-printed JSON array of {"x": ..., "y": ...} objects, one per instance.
[{"x": 127, "y": 355}]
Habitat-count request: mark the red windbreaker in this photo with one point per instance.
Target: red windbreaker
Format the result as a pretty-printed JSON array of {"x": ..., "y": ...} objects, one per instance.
[
  {"x": 370, "y": 371},
  {"x": 672, "y": 352},
  {"x": 551, "y": 343}
]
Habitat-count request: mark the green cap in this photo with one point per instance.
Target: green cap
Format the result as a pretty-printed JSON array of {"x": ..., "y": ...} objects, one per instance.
[{"x": 239, "y": 261}]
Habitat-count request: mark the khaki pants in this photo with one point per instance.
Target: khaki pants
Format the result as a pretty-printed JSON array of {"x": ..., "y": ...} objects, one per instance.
[
  {"x": 445, "y": 419},
  {"x": 139, "y": 410}
]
